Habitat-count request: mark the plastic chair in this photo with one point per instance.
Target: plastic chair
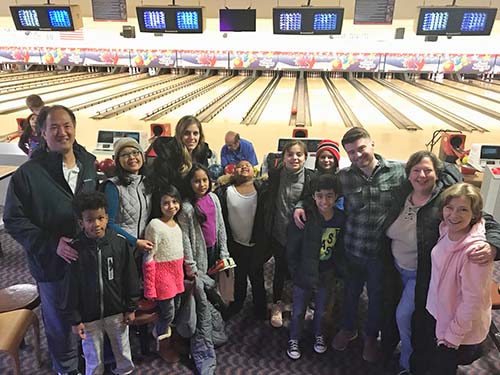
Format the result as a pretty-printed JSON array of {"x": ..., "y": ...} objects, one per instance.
[{"x": 13, "y": 327}]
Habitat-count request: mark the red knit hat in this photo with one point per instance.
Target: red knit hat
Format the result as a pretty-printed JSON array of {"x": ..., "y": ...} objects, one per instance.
[{"x": 331, "y": 146}]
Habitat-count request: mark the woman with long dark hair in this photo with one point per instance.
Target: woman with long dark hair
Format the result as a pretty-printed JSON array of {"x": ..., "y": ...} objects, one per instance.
[{"x": 176, "y": 156}]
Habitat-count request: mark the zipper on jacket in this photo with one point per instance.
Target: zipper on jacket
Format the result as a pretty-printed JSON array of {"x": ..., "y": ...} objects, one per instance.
[
  {"x": 140, "y": 207},
  {"x": 101, "y": 283}
]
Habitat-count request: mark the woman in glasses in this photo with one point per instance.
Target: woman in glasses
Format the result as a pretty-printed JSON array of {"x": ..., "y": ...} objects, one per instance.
[{"x": 127, "y": 194}]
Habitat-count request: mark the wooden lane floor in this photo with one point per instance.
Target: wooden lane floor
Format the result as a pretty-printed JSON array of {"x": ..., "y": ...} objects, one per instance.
[{"x": 322, "y": 108}]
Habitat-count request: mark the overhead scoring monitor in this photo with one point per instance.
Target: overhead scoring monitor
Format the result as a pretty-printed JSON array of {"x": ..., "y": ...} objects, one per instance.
[
  {"x": 170, "y": 19},
  {"x": 307, "y": 20},
  {"x": 237, "y": 19},
  {"x": 455, "y": 21},
  {"x": 47, "y": 17}
]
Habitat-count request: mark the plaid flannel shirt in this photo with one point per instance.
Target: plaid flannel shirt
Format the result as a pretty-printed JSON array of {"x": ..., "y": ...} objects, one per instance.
[{"x": 367, "y": 201}]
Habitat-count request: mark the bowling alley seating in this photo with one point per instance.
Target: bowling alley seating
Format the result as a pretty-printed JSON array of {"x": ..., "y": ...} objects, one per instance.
[
  {"x": 146, "y": 313},
  {"x": 495, "y": 305},
  {"x": 13, "y": 327}
]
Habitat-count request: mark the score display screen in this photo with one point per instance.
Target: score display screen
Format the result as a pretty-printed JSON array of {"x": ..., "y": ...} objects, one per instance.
[
  {"x": 43, "y": 18},
  {"x": 307, "y": 20},
  {"x": 290, "y": 21},
  {"x": 154, "y": 20},
  {"x": 435, "y": 21},
  {"x": 59, "y": 18},
  {"x": 325, "y": 21},
  {"x": 455, "y": 21},
  {"x": 28, "y": 18},
  {"x": 170, "y": 19},
  {"x": 474, "y": 22},
  {"x": 187, "y": 20}
]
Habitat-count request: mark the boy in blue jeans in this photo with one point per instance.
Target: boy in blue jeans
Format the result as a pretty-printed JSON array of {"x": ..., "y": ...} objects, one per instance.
[
  {"x": 103, "y": 287},
  {"x": 311, "y": 256}
]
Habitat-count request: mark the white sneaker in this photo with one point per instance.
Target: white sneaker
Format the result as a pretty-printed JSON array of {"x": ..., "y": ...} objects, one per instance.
[{"x": 276, "y": 315}]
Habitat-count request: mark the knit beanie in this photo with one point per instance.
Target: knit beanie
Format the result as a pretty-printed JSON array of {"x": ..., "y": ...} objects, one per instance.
[
  {"x": 121, "y": 143},
  {"x": 331, "y": 146}
]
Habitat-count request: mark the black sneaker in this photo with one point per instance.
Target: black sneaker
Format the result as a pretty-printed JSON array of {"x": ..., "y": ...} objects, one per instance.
[
  {"x": 319, "y": 344},
  {"x": 293, "y": 350}
]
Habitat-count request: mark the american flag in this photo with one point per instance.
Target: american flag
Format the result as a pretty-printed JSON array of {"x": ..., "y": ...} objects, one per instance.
[{"x": 71, "y": 35}]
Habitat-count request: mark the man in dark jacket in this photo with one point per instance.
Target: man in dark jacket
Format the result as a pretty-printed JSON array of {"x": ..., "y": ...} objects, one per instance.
[{"x": 38, "y": 214}]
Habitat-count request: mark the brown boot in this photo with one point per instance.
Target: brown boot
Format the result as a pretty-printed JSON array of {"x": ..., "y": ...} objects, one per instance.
[{"x": 168, "y": 352}]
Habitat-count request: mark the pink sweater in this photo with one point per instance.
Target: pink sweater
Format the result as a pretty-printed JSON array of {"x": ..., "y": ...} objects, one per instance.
[
  {"x": 162, "y": 266},
  {"x": 459, "y": 292}
]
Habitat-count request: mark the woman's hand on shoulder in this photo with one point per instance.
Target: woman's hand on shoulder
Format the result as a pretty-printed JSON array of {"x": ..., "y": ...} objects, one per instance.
[{"x": 483, "y": 254}]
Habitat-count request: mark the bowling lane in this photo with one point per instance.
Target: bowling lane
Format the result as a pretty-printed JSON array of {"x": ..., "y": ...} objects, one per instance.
[
  {"x": 485, "y": 85},
  {"x": 420, "y": 116},
  {"x": 474, "y": 89},
  {"x": 466, "y": 113},
  {"x": 142, "y": 110},
  {"x": 112, "y": 91},
  {"x": 463, "y": 95},
  {"x": 195, "y": 105},
  {"x": 66, "y": 89},
  {"x": 238, "y": 108},
  {"x": 279, "y": 106},
  {"x": 321, "y": 106},
  {"x": 48, "y": 78},
  {"x": 367, "y": 114}
]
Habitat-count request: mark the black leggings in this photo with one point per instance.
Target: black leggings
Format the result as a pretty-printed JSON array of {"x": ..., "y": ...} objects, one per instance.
[{"x": 280, "y": 269}]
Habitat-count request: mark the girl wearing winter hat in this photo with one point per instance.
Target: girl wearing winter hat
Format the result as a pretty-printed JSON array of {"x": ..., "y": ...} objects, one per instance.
[
  {"x": 327, "y": 157},
  {"x": 129, "y": 200}
]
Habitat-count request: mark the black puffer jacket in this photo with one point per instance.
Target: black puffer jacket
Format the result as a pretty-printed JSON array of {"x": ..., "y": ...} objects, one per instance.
[
  {"x": 38, "y": 208},
  {"x": 103, "y": 281}
]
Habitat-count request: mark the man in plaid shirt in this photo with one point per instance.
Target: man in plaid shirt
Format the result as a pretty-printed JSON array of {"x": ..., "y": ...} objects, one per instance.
[{"x": 367, "y": 188}]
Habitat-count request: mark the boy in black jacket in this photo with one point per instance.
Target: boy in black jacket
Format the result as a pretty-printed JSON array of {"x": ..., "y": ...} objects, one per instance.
[
  {"x": 312, "y": 254},
  {"x": 103, "y": 286}
]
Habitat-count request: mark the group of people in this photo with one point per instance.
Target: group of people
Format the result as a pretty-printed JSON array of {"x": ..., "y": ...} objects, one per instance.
[{"x": 411, "y": 232}]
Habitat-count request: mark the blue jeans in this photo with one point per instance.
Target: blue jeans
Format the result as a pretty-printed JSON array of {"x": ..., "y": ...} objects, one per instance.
[
  {"x": 62, "y": 343},
  {"x": 361, "y": 270},
  {"x": 301, "y": 298},
  {"x": 404, "y": 313}
]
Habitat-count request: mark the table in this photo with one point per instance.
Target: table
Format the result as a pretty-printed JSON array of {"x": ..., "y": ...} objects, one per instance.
[
  {"x": 6, "y": 171},
  {"x": 474, "y": 179},
  {"x": 19, "y": 296}
]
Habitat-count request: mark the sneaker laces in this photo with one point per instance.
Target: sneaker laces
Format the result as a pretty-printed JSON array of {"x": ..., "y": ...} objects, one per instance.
[
  {"x": 293, "y": 345},
  {"x": 320, "y": 340}
]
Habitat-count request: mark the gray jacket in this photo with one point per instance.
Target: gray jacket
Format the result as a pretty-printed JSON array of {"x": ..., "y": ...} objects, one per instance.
[
  {"x": 134, "y": 206},
  {"x": 195, "y": 250}
]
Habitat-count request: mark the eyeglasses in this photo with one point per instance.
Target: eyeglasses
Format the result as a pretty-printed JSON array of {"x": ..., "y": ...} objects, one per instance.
[{"x": 128, "y": 154}]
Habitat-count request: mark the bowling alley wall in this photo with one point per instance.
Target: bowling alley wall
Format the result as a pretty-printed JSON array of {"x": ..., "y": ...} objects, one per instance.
[{"x": 360, "y": 47}]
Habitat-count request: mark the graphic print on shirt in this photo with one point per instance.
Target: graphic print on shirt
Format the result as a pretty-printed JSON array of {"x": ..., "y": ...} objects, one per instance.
[
  {"x": 328, "y": 241},
  {"x": 111, "y": 274}
]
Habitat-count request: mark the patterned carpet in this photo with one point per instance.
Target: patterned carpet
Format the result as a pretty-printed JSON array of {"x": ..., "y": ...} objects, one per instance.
[{"x": 254, "y": 348}]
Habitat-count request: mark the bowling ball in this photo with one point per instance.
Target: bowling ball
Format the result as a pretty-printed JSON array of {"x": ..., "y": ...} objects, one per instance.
[
  {"x": 229, "y": 169},
  {"x": 215, "y": 171},
  {"x": 107, "y": 166}
]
